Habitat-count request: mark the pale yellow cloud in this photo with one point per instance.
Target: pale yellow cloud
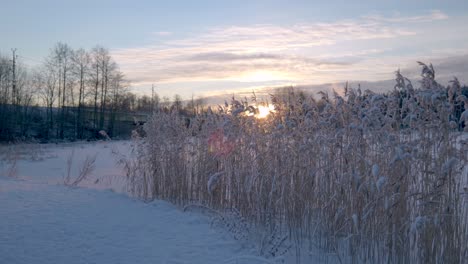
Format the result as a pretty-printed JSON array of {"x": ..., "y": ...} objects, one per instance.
[{"x": 262, "y": 53}]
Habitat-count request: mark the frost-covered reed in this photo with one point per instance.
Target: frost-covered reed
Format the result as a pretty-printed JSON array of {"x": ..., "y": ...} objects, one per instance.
[{"x": 362, "y": 177}]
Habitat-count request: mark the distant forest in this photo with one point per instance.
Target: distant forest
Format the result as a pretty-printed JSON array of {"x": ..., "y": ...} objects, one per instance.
[{"x": 72, "y": 95}]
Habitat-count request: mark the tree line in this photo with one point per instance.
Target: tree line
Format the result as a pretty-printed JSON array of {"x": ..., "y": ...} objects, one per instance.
[{"x": 72, "y": 94}]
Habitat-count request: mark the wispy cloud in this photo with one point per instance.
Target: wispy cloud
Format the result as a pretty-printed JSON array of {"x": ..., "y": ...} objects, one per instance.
[
  {"x": 228, "y": 53},
  {"x": 434, "y": 15},
  {"x": 228, "y": 56},
  {"x": 163, "y": 33}
]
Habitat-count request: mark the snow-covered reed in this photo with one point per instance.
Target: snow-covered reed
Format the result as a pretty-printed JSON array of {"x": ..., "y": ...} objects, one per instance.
[{"x": 362, "y": 177}]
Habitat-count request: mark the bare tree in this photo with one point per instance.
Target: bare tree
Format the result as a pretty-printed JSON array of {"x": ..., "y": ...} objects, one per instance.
[
  {"x": 105, "y": 67},
  {"x": 177, "y": 103},
  {"x": 24, "y": 99},
  {"x": 5, "y": 77},
  {"x": 81, "y": 67},
  {"x": 47, "y": 83},
  {"x": 60, "y": 59},
  {"x": 64, "y": 85},
  {"x": 156, "y": 101},
  {"x": 96, "y": 65},
  {"x": 118, "y": 86},
  {"x": 166, "y": 102}
]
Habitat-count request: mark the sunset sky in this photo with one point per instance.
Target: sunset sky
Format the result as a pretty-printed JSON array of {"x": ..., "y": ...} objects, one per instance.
[{"x": 211, "y": 47}]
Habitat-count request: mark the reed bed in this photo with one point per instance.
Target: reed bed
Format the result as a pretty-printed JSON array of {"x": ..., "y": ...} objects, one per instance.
[{"x": 362, "y": 177}]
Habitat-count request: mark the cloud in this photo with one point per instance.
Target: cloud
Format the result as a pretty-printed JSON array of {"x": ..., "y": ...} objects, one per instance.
[
  {"x": 227, "y": 56},
  {"x": 288, "y": 53},
  {"x": 278, "y": 38},
  {"x": 434, "y": 15},
  {"x": 163, "y": 33}
]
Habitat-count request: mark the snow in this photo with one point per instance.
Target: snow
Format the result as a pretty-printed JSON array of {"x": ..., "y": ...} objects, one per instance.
[
  {"x": 48, "y": 163},
  {"x": 43, "y": 221}
]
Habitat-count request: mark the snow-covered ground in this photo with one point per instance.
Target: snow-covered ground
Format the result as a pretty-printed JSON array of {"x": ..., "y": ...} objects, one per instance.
[
  {"x": 49, "y": 163},
  {"x": 44, "y": 221}
]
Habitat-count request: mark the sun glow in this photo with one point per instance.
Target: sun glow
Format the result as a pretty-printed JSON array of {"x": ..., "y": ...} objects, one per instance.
[
  {"x": 263, "y": 76},
  {"x": 264, "y": 111}
]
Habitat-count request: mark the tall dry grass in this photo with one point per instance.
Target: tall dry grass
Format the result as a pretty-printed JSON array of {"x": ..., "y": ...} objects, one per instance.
[{"x": 363, "y": 177}]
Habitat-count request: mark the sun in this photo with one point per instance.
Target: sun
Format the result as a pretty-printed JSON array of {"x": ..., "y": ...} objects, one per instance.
[{"x": 264, "y": 111}]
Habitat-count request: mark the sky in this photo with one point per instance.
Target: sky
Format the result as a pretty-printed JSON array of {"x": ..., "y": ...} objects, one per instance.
[{"x": 200, "y": 48}]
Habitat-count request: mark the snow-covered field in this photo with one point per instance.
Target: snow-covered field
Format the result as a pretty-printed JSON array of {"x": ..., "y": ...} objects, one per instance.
[{"x": 44, "y": 221}]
